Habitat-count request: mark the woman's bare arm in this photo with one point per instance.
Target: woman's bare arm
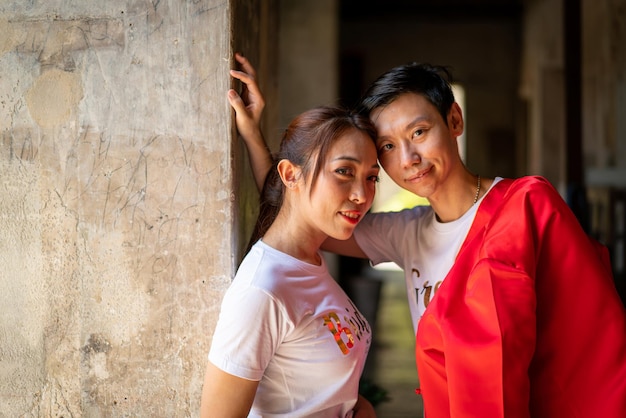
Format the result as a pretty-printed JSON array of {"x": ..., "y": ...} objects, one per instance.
[
  {"x": 225, "y": 395},
  {"x": 248, "y": 109}
]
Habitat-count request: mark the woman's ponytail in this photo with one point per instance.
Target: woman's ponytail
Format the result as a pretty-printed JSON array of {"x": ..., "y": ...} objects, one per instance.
[{"x": 271, "y": 200}]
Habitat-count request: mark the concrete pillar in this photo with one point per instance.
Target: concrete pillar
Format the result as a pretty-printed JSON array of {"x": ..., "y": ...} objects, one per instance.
[{"x": 118, "y": 197}]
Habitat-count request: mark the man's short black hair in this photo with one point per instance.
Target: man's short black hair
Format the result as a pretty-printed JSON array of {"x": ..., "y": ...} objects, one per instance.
[{"x": 429, "y": 81}]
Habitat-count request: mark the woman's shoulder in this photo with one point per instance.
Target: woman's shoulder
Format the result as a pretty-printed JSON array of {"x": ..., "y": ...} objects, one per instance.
[{"x": 271, "y": 270}]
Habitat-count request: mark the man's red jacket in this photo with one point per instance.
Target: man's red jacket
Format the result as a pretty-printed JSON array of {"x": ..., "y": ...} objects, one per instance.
[{"x": 528, "y": 322}]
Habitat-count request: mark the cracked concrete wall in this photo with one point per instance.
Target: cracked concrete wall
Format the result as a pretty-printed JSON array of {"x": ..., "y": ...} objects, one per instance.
[{"x": 117, "y": 203}]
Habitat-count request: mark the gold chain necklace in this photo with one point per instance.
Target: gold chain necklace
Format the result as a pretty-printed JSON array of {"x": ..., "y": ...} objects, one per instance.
[{"x": 477, "y": 191}]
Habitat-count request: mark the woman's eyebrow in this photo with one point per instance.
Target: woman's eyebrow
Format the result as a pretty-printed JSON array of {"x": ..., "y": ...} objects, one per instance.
[
  {"x": 350, "y": 158},
  {"x": 346, "y": 157}
]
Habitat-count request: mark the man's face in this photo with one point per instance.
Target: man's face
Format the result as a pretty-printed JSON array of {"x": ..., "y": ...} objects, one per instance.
[{"x": 415, "y": 146}]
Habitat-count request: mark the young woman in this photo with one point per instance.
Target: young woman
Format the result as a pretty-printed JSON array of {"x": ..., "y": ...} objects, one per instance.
[{"x": 289, "y": 342}]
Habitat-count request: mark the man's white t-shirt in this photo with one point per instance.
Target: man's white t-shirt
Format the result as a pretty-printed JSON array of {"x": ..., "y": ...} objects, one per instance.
[
  {"x": 289, "y": 325},
  {"x": 419, "y": 244}
]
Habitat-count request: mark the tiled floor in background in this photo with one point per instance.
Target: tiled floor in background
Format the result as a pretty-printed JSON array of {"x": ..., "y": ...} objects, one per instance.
[{"x": 392, "y": 361}]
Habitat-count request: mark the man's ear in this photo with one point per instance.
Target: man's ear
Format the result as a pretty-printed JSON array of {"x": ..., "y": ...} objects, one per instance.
[
  {"x": 455, "y": 119},
  {"x": 289, "y": 173}
]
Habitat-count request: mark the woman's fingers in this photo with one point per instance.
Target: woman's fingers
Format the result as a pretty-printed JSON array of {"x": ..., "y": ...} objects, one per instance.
[
  {"x": 242, "y": 76},
  {"x": 236, "y": 102},
  {"x": 246, "y": 118},
  {"x": 250, "y": 93},
  {"x": 245, "y": 64},
  {"x": 248, "y": 80}
]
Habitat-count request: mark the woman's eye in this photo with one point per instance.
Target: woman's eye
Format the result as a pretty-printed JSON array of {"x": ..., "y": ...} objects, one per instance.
[
  {"x": 386, "y": 147},
  {"x": 342, "y": 171},
  {"x": 375, "y": 179}
]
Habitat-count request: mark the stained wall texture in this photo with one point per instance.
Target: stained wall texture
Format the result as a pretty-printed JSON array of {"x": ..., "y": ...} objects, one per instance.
[{"x": 116, "y": 203}]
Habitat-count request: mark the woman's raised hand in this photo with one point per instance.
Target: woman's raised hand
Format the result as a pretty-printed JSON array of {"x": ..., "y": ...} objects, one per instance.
[
  {"x": 248, "y": 109},
  {"x": 250, "y": 104}
]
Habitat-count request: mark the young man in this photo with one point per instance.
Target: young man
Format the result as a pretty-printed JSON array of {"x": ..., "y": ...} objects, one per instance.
[{"x": 515, "y": 308}]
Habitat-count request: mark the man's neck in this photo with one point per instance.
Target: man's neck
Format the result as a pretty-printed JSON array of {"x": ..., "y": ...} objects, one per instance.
[{"x": 454, "y": 201}]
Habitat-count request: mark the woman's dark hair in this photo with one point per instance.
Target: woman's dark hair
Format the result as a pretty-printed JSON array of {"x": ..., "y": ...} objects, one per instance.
[
  {"x": 429, "y": 81},
  {"x": 311, "y": 134}
]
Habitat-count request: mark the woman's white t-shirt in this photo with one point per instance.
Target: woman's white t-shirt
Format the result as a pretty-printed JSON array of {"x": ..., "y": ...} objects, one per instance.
[{"x": 289, "y": 325}]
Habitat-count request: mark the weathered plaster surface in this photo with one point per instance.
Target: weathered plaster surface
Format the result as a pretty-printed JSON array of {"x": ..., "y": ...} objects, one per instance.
[{"x": 115, "y": 204}]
